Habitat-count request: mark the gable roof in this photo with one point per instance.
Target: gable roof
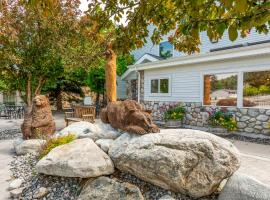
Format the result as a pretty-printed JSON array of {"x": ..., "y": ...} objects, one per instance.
[{"x": 147, "y": 57}]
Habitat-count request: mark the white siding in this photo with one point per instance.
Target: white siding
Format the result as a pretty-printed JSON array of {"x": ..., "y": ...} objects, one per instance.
[
  {"x": 206, "y": 45},
  {"x": 121, "y": 88},
  {"x": 186, "y": 81}
]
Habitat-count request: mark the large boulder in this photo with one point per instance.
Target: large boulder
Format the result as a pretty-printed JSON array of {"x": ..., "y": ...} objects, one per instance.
[
  {"x": 243, "y": 187},
  {"x": 33, "y": 146},
  {"x": 105, "y": 188},
  {"x": 187, "y": 161},
  {"x": 94, "y": 131},
  {"x": 104, "y": 144},
  {"x": 80, "y": 158}
]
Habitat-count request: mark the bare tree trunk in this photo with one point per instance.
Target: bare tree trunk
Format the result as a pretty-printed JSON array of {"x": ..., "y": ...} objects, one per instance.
[
  {"x": 41, "y": 82},
  {"x": 97, "y": 104},
  {"x": 28, "y": 91},
  {"x": 59, "y": 104},
  {"x": 110, "y": 74}
]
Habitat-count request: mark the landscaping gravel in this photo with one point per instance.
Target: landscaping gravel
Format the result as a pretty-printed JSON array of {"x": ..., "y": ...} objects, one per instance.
[
  {"x": 152, "y": 192},
  {"x": 6, "y": 134},
  {"x": 42, "y": 186}
]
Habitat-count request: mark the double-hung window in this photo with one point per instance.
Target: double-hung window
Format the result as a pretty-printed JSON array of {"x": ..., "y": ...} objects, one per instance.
[{"x": 160, "y": 86}]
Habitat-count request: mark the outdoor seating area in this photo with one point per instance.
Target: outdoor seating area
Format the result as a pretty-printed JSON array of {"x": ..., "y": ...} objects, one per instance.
[
  {"x": 81, "y": 113},
  {"x": 11, "y": 111}
]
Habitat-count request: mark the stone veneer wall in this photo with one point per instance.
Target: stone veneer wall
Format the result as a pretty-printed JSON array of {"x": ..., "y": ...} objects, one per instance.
[
  {"x": 249, "y": 120},
  {"x": 132, "y": 91}
]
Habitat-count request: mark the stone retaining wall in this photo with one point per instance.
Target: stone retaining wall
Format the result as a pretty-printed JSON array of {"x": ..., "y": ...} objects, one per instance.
[{"x": 250, "y": 120}]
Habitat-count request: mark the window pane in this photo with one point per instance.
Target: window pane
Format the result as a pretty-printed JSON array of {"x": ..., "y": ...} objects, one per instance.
[
  {"x": 257, "y": 89},
  {"x": 220, "y": 89},
  {"x": 164, "y": 85},
  {"x": 154, "y": 86},
  {"x": 165, "y": 50}
]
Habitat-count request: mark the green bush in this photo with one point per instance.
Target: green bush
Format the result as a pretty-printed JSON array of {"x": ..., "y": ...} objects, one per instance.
[
  {"x": 251, "y": 91},
  {"x": 263, "y": 89},
  {"x": 177, "y": 113},
  {"x": 222, "y": 118},
  {"x": 55, "y": 142}
]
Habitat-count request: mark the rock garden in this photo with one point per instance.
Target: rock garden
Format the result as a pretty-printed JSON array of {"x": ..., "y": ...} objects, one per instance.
[{"x": 100, "y": 162}]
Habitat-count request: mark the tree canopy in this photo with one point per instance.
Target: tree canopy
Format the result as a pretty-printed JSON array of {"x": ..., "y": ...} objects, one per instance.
[
  {"x": 183, "y": 20},
  {"x": 34, "y": 46}
]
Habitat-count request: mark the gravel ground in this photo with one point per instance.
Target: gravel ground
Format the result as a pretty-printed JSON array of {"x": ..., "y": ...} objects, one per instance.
[
  {"x": 61, "y": 188},
  {"x": 6, "y": 134},
  {"x": 56, "y": 187},
  {"x": 152, "y": 192}
]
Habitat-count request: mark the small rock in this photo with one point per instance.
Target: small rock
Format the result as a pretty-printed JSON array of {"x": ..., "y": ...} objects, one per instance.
[
  {"x": 15, "y": 184},
  {"x": 262, "y": 118},
  {"x": 16, "y": 193},
  {"x": 104, "y": 188},
  {"x": 253, "y": 112},
  {"x": 166, "y": 197},
  {"x": 41, "y": 193},
  {"x": 23, "y": 147}
]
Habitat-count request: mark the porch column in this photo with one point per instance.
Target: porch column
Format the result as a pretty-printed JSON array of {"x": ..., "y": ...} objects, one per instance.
[{"x": 207, "y": 90}]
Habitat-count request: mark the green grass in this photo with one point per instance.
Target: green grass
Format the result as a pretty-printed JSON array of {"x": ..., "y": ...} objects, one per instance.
[{"x": 55, "y": 142}]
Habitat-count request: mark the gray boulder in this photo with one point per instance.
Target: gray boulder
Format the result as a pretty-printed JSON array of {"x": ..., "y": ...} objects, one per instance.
[
  {"x": 105, "y": 188},
  {"x": 80, "y": 158},
  {"x": 187, "y": 161},
  {"x": 33, "y": 146},
  {"x": 104, "y": 144},
  {"x": 243, "y": 187},
  {"x": 94, "y": 131}
]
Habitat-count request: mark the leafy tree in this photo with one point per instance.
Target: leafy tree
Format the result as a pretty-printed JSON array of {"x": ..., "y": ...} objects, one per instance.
[
  {"x": 34, "y": 46},
  {"x": 96, "y": 75},
  {"x": 69, "y": 81},
  {"x": 183, "y": 20}
]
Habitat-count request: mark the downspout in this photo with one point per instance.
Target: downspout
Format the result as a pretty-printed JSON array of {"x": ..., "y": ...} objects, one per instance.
[{"x": 139, "y": 85}]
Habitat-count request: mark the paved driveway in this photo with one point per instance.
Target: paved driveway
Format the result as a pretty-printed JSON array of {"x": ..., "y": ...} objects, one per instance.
[{"x": 255, "y": 160}]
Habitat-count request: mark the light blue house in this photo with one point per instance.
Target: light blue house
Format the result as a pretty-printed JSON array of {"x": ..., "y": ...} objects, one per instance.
[{"x": 164, "y": 77}]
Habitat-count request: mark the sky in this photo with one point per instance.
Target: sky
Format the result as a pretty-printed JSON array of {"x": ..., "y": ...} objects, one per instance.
[{"x": 84, "y": 5}]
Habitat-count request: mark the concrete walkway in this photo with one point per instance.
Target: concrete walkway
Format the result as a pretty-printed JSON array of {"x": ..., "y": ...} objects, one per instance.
[
  {"x": 6, "y": 156},
  {"x": 255, "y": 160}
]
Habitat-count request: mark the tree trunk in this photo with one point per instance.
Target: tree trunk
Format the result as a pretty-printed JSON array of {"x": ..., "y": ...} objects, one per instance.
[
  {"x": 41, "y": 82},
  {"x": 28, "y": 91},
  {"x": 110, "y": 74},
  {"x": 97, "y": 104}
]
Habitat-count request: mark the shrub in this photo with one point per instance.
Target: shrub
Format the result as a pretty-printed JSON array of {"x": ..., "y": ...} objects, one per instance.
[
  {"x": 233, "y": 102},
  {"x": 251, "y": 91},
  {"x": 175, "y": 113},
  {"x": 55, "y": 142},
  {"x": 223, "y": 118}
]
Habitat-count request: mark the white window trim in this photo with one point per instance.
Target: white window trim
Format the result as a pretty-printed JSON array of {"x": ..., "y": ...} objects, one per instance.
[
  {"x": 240, "y": 85},
  {"x": 160, "y": 94}
]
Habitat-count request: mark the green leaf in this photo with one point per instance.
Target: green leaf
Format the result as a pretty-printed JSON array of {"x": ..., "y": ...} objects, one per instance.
[
  {"x": 233, "y": 34},
  {"x": 221, "y": 28},
  {"x": 241, "y": 5}
]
